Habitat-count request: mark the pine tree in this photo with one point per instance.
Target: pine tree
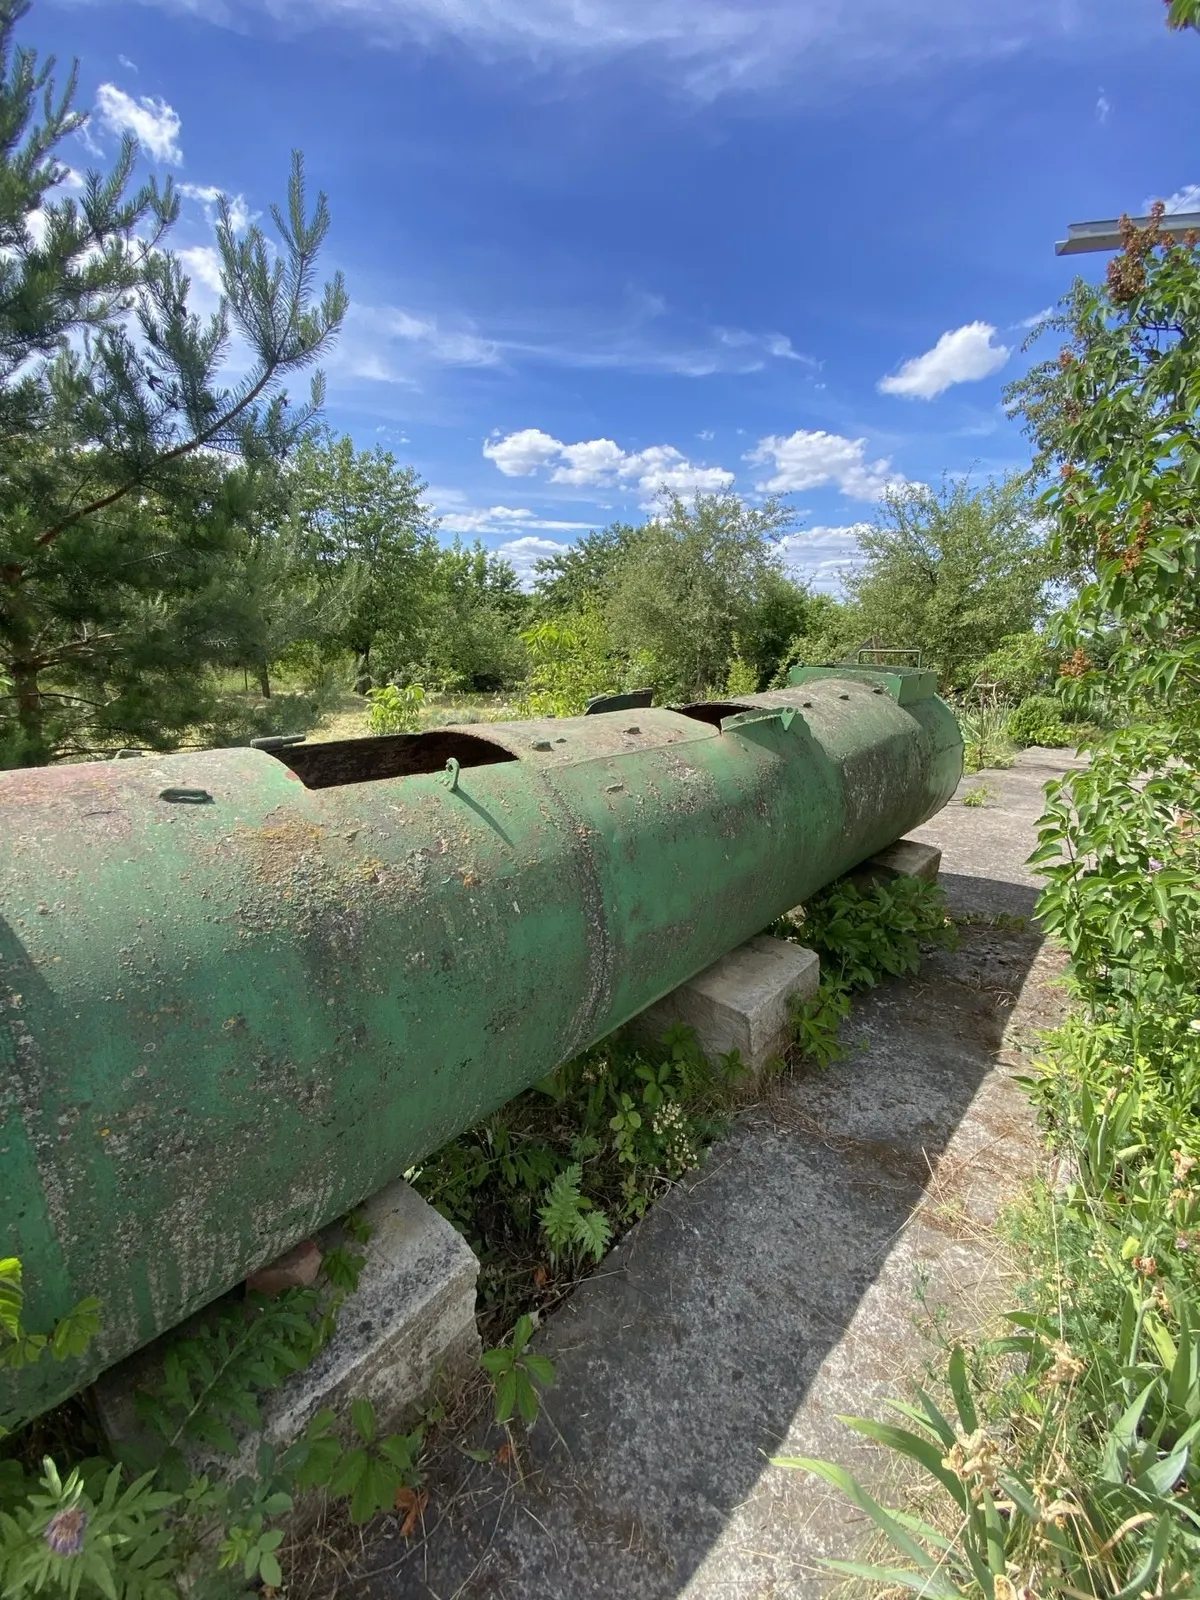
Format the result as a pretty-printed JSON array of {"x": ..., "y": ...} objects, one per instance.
[{"x": 128, "y": 465}]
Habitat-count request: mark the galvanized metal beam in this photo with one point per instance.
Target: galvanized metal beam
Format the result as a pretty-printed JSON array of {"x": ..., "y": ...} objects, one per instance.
[{"x": 1085, "y": 237}]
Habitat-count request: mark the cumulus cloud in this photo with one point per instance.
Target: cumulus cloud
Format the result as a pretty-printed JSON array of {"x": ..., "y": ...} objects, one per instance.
[
  {"x": 602, "y": 463},
  {"x": 823, "y": 556},
  {"x": 961, "y": 356},
  {"x": 1038, "y": 316},
  {"x": 153, "y": 123},
  {"x": 807, "y": 459},
  {"x": 524, "y": 554},
  {"x": 1185, "y": 199}
]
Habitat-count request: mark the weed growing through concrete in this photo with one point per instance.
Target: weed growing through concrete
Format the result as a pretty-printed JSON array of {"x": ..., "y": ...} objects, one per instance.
[
  {"x": 517, "y": 1372},
  {"x": 979, "y": 795},
  {"x": 863, "y": 933}
]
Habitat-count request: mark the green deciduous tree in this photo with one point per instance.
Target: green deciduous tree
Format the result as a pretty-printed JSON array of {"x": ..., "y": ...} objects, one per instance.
[
  {"x": 584, "y": 574},
  {"x": 471, "y": 633},
  {"x": 701, "y": 584},
  {"x": 119, "y": 512},
  {"x": 373, "y": 540},
  {"x": 953, "y": 571},
  {"x": 1118, "y": 413}
]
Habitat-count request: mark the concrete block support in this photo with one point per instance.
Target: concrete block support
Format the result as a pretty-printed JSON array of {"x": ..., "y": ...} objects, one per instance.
[
  {"x": 907, "y": 858},
  {"x": 409, "y": 1325},
  {"x": 742, "y": 1002}
]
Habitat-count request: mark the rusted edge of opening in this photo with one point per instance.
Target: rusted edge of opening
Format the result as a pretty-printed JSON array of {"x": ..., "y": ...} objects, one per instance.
[
  {"x": 713, "y": 711},
  {"x": 392, "y": 755}
]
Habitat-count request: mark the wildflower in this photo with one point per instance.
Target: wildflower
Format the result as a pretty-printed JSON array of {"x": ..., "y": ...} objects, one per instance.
[
  {"x": 1146, "y": 1265},
  {"x": 66, "y": 1530},
  {"x": 1182, "y": 1163}
]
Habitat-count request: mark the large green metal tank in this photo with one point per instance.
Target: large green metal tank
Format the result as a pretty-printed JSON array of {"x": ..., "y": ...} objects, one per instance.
[{"x": 241, "y": 990}]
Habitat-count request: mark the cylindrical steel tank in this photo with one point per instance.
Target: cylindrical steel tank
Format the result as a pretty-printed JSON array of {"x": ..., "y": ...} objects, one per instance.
[{"x": 240, "y": 990}]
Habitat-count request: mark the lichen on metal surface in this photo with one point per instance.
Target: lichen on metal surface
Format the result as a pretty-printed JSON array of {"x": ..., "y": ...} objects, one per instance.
[{"x": 237, "y": 1018}]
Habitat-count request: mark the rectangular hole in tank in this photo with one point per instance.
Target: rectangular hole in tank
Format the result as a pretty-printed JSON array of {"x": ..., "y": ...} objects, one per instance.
[
  {"x": 391, "y": 755},
  {"x": 712, "y": 711}
]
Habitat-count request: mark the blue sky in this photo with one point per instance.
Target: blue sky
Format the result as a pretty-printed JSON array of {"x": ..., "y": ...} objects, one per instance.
[{"x": 594, "y": 246}]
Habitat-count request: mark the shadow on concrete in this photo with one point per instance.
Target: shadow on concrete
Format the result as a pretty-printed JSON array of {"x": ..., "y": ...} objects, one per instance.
[{"x": 686, "y": 1361}]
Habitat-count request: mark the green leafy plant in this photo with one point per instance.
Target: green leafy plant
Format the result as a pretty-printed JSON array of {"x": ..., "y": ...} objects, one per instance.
[
  {"x": 1039, "y": 720},
  {"x": 571, "y": 659},
  {"x": 87, "y": 1535},
  {"x": 573, "y": 1226},
  {"x": 986, "y": 741},
  {"x": 517, "y": 1372},
  {"x": 977, "y": 795},
  {"x": 21, "y": 1346},
  {"x": 396, "y": 708},
  {"x": 1066, "y": 1457},
  {"x": 212, "y": 1379},
  {"x": 368, "y": 1471},
  {"x": 862, "y": 933}
]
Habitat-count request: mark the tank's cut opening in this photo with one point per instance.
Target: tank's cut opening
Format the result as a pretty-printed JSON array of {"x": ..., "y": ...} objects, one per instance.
[
  {"x": 392, "y": 755},
  {"x": 713, "y": 712}
]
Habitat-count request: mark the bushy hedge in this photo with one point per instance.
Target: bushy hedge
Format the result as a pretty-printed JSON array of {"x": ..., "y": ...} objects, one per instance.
[{"x": 1039, "y": 720}]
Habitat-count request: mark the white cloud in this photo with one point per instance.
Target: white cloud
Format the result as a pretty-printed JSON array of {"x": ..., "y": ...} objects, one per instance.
[
  {"x": 651, "y": 341},
  {"x": 203, "y": 265},
  {"x": 525, "y": 552},
  {"x": 521, "y": 531},
  {"x": 601, "y": 463},
  {"x": 209, "y": 196},
  {"x": 1103, "y": 107},
  {"x": 1038, "y": 316},
  {"x": 387, "y": 344},
  {"x": 706, "y": 434},
  {"x": 823, "y": 556},
  {"x": 807, "y": 459},
  {"x": 705, "y": 48},
  {"x": 777, "y": 345},
  {"x": 153, "y": 123},
  {"x": 460, "y": 518},
  {"x": 640, "y": 334},
  {"x": 1185, "y": 199},
  {"x": 960, "y": 356},
  {"x": 519, "y": 455},
  {"x": 456, "y": 347},
  {"x": 130, "y": 66}
]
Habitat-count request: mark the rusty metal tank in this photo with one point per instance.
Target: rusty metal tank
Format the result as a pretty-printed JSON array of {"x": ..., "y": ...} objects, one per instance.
[{"x": 240, "y": 990}]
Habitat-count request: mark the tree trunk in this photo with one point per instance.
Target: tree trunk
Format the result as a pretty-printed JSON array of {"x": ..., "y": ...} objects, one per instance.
[
  {"x": 362, "y": 670},
  {"x": 264, "y": 681},
  {"x": 34, "y": 751}
]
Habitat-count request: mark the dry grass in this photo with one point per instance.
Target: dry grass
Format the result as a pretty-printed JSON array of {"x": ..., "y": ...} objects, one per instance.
[{"x": 347, "y": 718}]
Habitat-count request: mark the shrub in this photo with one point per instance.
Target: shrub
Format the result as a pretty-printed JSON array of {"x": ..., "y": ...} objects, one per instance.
[
  {"x": 395, "y": 709},
  {"x": 1039, "y": 720},
  {"x": 986, "y": 742},
  {"x": 1021, "y": 665}
]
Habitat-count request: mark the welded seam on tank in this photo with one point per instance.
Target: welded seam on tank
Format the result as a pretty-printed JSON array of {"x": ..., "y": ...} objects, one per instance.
[{"x": 597, "y": 996}]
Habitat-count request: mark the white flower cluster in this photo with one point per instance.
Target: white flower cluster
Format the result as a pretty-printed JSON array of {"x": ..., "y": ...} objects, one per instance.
[{"x": 674, "y": 1132}]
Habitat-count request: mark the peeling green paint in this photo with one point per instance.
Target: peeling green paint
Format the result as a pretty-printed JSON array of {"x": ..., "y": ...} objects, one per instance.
[{"x": 226, "y": 1021}]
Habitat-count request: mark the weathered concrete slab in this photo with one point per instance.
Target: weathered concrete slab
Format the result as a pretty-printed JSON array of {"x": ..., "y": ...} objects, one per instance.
[
  {"x": 742, "y": 1002},
  {"x": 773, "y": 1291},
  {"x": 409, "y": 1324}
]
